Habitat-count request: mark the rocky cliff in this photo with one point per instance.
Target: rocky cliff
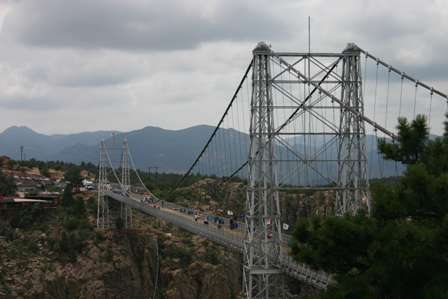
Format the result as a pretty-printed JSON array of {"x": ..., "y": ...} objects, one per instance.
[{"x": 153, "y": 260}]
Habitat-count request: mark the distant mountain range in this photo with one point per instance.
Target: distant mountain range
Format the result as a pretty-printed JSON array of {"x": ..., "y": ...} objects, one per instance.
[{"x": 170, "y": 150}]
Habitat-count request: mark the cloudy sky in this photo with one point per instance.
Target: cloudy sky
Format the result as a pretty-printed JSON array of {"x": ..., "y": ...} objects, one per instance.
[{"x": 84, "y": 65}]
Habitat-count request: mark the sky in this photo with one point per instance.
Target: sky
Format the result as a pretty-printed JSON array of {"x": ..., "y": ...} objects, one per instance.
[{"x": 70, "y": 66}]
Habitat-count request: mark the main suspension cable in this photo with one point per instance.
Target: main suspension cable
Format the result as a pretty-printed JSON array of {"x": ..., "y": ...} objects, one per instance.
[{"x": 217, "y": 127}]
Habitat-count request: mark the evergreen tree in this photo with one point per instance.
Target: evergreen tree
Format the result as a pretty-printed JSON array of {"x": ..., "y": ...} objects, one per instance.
[
  {"x": 67, "y": 197},
  {"x": 402, "y": 250},
  {"x": 73, "y": 176},
  {"x": 7, "y": 185}
]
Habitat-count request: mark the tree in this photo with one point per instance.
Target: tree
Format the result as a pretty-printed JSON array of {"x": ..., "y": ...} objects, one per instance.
[
  {"x": 411, "y": 141},
  {"x": 45, "y": 171},
  {"x": 73, "y": 176},
  {"x": 67, "y": 197},
  {"x": 402, "y": 250},
  {"x": 7, "y": 185}
]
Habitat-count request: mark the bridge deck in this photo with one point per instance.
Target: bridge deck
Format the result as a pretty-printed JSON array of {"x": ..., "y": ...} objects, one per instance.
[{"x": 225, "y": 237}]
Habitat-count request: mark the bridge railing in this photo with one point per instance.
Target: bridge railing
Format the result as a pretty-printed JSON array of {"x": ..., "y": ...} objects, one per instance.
[
  {"x": 222, "y": 236},
  {"x": 209, "y": 231},
  {"x": 240, "y": 227}
]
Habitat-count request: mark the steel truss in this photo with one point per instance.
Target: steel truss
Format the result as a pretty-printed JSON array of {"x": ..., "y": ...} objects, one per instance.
[
  {"x": 312, "y": 87},
  {"x": 106, "y": 213},
  {"x": 125, "y": 211},
  {"x": 262, "y": 277},
  {"x": 352, "y": 164},
  {"x": 325, "y": 89},
  {"x": 103, "y": 214}
]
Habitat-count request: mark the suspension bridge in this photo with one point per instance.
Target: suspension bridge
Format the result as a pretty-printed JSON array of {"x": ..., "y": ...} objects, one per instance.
[{"x": 296, "y": 122}]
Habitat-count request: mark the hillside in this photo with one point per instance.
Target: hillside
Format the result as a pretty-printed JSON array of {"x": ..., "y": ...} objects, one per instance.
[{"x": 170, "y": 150}]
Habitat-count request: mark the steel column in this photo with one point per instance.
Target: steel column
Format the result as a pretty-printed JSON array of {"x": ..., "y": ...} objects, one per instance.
[{"x": 262, "y": 277}]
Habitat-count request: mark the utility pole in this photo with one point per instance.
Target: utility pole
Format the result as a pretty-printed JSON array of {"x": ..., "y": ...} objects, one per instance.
[{"x": 21, "y": 153}]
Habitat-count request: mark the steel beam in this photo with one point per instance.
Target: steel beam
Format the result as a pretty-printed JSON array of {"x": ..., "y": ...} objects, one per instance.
[{"x": 261, "y": 276}]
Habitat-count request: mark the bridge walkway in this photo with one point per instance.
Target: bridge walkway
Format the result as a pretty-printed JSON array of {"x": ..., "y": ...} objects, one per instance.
[{"x": 234, "y": 239}]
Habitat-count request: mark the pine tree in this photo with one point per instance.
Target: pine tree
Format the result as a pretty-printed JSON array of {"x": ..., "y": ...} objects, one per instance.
[{"x": 402, "y": 250}]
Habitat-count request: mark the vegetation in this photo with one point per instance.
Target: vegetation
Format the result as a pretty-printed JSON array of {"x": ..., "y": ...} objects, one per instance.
[
  {"x": 44, "y": 166},
  {"x": 162, "y": 183},
  {"x": 402, "y": 250},
  {"x": 76, "y": 229},
  {"x": 73, "y": 176},
  {"x": 7, "y": 185},
  {"x": 33, "y": 215}
]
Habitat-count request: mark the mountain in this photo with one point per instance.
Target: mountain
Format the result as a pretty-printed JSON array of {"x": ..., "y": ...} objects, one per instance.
[
  {"x": 175, "y": 150},
  {"x": 45, "y": 147},
  {"x": 171, "y": 150}
]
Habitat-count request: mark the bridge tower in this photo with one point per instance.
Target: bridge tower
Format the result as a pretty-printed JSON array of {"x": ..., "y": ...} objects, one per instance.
[
  {"x": 125, "y": 211},
  {"x": 103, "y": 214},
  {"x": 262, "y": 277},
  {"x": 352, "y": 158}
]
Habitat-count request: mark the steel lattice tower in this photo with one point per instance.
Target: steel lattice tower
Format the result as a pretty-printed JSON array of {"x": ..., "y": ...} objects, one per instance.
[
  {"x": 352, "y": 165},
  {"x": 262, "y": 278},
  {"x": 126, "y": 212},
  {"x": 102, "y": 219}
]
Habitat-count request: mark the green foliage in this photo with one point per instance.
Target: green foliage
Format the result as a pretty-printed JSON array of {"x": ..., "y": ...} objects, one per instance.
[
  {"x": 69, "y": 245},
  {"x": 161, "y": 184},
  {"x": 91, "y": 206},
  {"x": 22, "y": 247},
  {"x": 318, "y": 240},
  {"x": 7, "y": 231},
  {"x": 119, "y": 223},
  {"x": 446, "y": 127},
  {"x": 76, "y": 229},
  {"x": 67, "y": 197},
  {"x": 402, "y": 250},
  {"x": 57, "y": 165},
  {"x": 7, "y": 185},
  {"x": 211, "y": 256},
  {"x": 28, "y": 217},
  {"x": 73, "y": 176},
  {"x": 99, "y": 237},
  {"x": 411, "y": 141},
  {"x": 71, "y": 240},
  {"x": 71, "y": 205},
  {"x": 183, "y": 253},
  {"x": 108, "y": 255},
  {"x": 45, "y": 171}
]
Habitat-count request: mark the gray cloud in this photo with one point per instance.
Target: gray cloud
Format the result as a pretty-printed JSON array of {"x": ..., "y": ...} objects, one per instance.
[
  {"x": 35, "y": 103},
  {"x": 87, "y": 65},
  {"x": 140, "y": 24}
]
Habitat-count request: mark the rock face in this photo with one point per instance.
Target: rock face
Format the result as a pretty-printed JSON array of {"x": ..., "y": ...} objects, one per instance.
[
  {"x": 300, "y": 205},
  {"x": 103, "y": 270},
  {"x": 153, "y": 260},
  {"x": 203, "y": 280},
  {"x": 143, "y": 263}
]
